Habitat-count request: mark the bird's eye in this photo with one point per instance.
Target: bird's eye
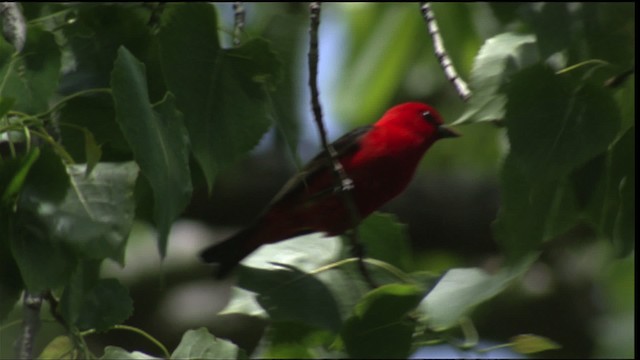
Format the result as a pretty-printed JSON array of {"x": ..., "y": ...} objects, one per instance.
[{"x": 428, "y": 117}]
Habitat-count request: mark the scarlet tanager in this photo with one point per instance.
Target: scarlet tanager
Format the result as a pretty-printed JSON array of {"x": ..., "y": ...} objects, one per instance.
[{"x": 380, "y": 159}]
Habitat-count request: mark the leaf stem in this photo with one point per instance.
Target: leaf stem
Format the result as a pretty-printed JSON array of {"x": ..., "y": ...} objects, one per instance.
[{"x": 136, "y": 330}]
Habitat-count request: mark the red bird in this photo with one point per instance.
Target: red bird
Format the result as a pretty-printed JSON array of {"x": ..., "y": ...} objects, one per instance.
[{"x": 380, "y": 159}]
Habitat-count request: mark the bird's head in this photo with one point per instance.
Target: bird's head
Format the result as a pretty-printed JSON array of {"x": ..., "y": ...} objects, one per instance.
[{"x": 418, "y": 118}]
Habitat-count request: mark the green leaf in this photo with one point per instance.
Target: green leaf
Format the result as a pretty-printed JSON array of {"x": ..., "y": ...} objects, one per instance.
[
  {"x": 94, "y": 114},
  {"x": 33, "y": 245},
  {"x": 33, "y": 251},
  {"x": 114, "y": 352},
  {"x": 221, "y": 92},
  {"x": 379, "y": 327},
  {"x": 105, "y": 304},
  {"x": 499, "y": 58},
  {"x": 158, "y": 139},
  {"x": 313, "y": 303},
  {"x": 378, "y": 67},
  {"x": 386, "y": 239},
  {"x": 569, "y": 123},
  {"x": 31, "y": 77},
  {"x": 460, "y": 290},
  {"x": 554, "y": 26},
  {"x": 200, "y": 344},
  {"x": 97, "y": 213},
  {"x": 531, "y": 344},
  {"x": 94, "y": 36}
]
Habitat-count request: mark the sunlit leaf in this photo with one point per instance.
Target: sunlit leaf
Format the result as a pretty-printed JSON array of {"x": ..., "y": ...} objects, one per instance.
[
  {"x": 114, "y": 352},
  {"x": 499, "y": 57}
]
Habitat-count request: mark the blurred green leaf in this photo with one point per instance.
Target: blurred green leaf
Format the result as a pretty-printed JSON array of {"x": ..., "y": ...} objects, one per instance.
[
  {"x": 376, "y": 71},
  {"x": 222, "y": 93},
  {"x": 552, "y": 24},
  {"x": 386, "y": 239},
  {"x": 200, "y": 344},
  {"x": 609, "y": 32},
  {"x": 157, "y": 138},
  {"x": 500, "y": 57},
  {"x": 31, "y": 77},
  {"x": 379, "y": 327},
  {"x": 292, "y": 295},
  {"x": 460, "y": 290}
]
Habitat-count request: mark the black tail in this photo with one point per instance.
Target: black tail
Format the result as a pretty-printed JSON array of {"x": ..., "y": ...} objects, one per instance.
[{"x": 228, "y": 253}]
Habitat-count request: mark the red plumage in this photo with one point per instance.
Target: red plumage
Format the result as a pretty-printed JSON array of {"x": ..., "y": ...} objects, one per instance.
[{"x": 380, "y": 160}]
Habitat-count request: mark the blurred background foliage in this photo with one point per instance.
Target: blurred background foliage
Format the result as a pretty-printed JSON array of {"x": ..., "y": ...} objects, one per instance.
[{"x": 372, "y": 56}]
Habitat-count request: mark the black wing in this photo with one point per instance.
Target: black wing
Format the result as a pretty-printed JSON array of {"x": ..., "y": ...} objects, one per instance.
[{"x": 346, "y": 144}]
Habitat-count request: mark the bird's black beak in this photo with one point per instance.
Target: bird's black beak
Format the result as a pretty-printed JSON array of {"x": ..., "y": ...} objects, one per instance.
[{"x": 445, "y": 132}]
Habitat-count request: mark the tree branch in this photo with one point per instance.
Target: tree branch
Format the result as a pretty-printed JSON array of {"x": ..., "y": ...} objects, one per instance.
[
  {"x": 238, "y": 21},
  {"x": 30, "y": 325},
  {"x": 344, "y": 184},
  {"x": 441, "y": 53}
]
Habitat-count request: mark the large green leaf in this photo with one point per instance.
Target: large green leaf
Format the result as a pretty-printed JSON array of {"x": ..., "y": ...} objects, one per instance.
[
  {"x": 94, "y": 36},
  {"x": 157, "y": 138},
  {"x": 96, "y": 215},
  {"x": 569, "y": 122},
  {"x": 200, "y": 344},
  {"x": 380, "y": 327},
  {"x": 31, "y": 77},
  {"x": 531, "y": 211},
  {"x": 221, "y": 92},
  {"x": 33, "y": 243},
  {"x": 499, "y": 57},
  {"x": 89, "y": 302}
]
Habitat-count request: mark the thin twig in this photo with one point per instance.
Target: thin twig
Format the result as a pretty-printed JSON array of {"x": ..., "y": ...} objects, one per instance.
[
  {"x": 441, "y": 53},
  {"x": 344, "y": 184},
  {"x": 238, "y": 21},
  {"x": 30, "y": 325}
]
